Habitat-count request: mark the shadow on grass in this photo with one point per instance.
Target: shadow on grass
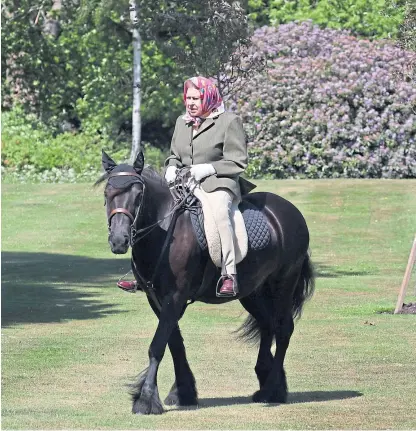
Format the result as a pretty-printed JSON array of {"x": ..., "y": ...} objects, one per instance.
[
  {"x": 46, "y": 288},
  {"x": 293, "y": 398},
  {"x": 326, "y": 271}
]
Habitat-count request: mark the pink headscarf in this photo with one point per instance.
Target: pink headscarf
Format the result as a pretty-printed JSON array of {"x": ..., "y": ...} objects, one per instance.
[{"x": 210, "y": 97}]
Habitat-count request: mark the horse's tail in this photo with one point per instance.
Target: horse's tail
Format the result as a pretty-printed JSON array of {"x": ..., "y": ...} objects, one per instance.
[
  {"x": 304, "y": 287},
  {"x": 250, "y": 330}
]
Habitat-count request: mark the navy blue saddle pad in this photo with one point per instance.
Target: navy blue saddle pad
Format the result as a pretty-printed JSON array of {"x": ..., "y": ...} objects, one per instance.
[{"x": 255, "y": 221}]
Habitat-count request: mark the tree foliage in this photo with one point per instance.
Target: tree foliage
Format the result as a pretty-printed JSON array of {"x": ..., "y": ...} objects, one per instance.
[
  {"x": 85, "y": 73},
  {"x": 209, "y": 38},
  {"x": 78, "y": 71},
  {"x": 406, "y": 38},
  {"x": 407, "y": 30}
]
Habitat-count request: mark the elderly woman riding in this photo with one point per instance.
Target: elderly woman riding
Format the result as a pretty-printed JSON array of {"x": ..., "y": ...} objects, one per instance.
[{"x": 212, "y": 143}]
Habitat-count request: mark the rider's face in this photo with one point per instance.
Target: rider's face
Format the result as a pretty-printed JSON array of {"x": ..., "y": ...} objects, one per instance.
[{"x": 193, "y": 102}]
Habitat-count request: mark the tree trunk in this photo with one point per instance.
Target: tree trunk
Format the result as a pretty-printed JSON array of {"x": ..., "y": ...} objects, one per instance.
[{"x": 136, "y": 119}]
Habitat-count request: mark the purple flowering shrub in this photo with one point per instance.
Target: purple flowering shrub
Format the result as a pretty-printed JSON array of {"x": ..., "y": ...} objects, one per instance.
[{"x": 329, "y": 105}]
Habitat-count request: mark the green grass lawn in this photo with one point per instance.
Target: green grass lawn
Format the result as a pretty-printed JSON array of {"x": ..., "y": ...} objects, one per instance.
[{"x": 71, "y": 340}]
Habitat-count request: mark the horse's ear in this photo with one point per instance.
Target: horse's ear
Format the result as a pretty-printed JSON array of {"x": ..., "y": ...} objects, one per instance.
[
  {"x": 108, "y": 163},
  {"x": 139, "y": 163}
]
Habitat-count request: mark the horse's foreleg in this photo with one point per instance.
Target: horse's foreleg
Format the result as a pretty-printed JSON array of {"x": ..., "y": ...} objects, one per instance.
[
  {"x": 183, "y": 392},
  {"x": 145, "y": 393},
  {"x": 146, "y": 398}
]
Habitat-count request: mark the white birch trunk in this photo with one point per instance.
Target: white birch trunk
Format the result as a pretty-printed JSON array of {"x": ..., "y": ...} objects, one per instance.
[{"x": 136, "y": 119}]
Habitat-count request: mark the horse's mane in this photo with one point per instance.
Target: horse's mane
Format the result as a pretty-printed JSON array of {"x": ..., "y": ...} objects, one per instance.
[{"x": 151, "y": 174}]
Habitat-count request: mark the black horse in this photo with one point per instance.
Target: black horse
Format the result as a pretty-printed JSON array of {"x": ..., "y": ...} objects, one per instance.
[{"x": 273, "y": 283}]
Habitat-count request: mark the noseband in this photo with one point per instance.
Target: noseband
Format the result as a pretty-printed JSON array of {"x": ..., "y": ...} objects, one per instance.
[{"x": 115, "y": 211}]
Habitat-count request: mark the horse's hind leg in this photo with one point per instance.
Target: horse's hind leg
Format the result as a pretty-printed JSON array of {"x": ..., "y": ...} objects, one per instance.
[
  {"x": 271, "y": 308},
  {"x": 260, "y": 322},
  {"x": 183, "y": 392},
  {"x": 274, "y": 389}
]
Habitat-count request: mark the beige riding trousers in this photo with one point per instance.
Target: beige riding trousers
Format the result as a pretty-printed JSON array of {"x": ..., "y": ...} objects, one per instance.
[{"x": 220, "y": 202}]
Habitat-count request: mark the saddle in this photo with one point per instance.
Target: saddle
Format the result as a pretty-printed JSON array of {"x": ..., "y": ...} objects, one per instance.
[
  {"x": 258, "y": 233},
  {"x": 249, "y": 223}
]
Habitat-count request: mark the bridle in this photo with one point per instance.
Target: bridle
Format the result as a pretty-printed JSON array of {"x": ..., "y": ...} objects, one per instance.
[{"x": 133, "y": 218}]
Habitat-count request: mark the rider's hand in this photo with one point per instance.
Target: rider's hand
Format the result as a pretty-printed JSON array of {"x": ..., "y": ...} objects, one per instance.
[
  {"x": 202, "y": 170},
  {"x": 170, "y": 174}
]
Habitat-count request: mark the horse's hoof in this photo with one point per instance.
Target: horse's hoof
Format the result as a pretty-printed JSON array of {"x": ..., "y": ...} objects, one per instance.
[
  {"x": 172, "y": 399},
  {"x": 259, "y": 397},
  {"x": 148, "y": 405},
  {"x": 184, "y": 401},
  {"x": 145, "y": 409},
  {"x": 262, "y": 396}
]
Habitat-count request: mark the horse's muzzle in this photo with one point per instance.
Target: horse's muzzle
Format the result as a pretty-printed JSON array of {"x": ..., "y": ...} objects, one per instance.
[{"x": 119, "y": 244}]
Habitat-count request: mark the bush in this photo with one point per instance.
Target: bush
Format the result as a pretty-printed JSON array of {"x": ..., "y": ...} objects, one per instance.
[
  {"x": 330, "y": 105},
  {"x": 155, "y": 157},
  {"x": 20, "y": 134},
  {"x": 27, "y": 142},
  {"x": 31, "y": 153},
  {"x": 370, "y": 18},
  {"x": 29, "y": 174}
]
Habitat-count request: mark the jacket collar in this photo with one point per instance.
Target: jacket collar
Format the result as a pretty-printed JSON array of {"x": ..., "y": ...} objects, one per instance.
[{"x": 204, "y": 126}]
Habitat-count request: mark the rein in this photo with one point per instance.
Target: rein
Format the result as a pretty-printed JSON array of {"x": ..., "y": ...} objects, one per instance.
[{"x": 179, "y": 200}]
